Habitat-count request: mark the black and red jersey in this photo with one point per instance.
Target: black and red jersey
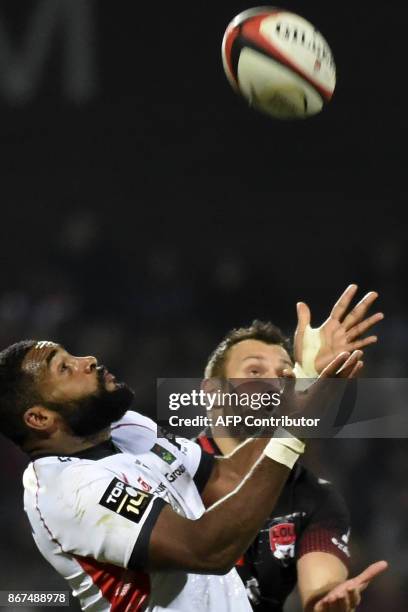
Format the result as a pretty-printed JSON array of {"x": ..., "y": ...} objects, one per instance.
[{"x": 309, "y": 516}]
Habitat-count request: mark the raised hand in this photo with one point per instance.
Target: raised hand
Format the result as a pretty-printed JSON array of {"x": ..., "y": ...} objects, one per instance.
[
  {"x": 323, "y": 394},
  {"x": 346, "y": 596},
  {"x": 342, "y": 330}
]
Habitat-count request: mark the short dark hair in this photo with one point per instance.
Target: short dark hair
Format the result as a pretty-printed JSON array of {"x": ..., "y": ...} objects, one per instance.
[
  {"x": 17, "y": 391},
  {"x": 264, "y": 331}
]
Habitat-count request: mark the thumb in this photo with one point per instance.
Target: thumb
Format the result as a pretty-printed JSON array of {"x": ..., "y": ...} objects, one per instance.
[
  {"x": 303, "y": 313},
  {"x": 372, "y": 571}
]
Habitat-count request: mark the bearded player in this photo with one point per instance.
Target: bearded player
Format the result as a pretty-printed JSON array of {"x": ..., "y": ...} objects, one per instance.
[
  {"x": 305, "y": 540},
  {"x": 118, "y": 509}
]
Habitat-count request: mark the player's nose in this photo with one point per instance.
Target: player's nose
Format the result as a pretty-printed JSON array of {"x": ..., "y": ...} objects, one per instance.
[{"x": 89, "y": 363}]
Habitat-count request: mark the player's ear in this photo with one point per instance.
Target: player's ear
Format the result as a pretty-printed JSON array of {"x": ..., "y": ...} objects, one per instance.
[{"x": 40, "y": 419}]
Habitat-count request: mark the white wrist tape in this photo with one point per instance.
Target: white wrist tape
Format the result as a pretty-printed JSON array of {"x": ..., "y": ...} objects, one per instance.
[
  {"x": 299, "y": 371},
  {"x": 310, "y": 348},
  {"x": 284, "y": 450},
  {"x": 303, "y": 382},
  {"x": 290, "y": 440}
]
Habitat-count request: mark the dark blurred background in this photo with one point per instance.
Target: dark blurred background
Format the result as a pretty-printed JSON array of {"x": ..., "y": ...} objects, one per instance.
[{"x": 145, "y": 210}]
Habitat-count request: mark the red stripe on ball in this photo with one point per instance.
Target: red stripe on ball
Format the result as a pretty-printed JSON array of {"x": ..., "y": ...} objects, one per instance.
[{"x": 251, "y": 30}]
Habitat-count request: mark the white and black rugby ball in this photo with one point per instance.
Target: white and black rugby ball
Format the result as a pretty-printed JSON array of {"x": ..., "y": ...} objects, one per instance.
[{"x": 279, "y": 62}]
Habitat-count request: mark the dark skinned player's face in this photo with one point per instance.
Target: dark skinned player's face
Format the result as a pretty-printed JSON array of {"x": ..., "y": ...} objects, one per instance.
[
  {"x": 62, "y": 377},
  {"x": 83, "y": 392}
]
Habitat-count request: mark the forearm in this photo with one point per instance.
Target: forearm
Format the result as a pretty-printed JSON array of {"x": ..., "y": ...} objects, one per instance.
[
  {"x": 233, "y": 522},
  {"x": 229, "y": 471},
  {"x": 318, "y": 573},
  {"x": 213, "y": 543},
  {"x": 244, "y": 457}
]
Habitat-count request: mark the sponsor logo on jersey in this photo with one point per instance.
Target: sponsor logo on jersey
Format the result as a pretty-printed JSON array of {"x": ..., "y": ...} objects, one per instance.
[
  {"x": 160, "y": 489},
  {"x": 145, "y": 486},
  {"x": 163, "y": 453},
  {"x": 172, "y": 476},
  {"x": 162, "y": 433},
  {"x": 64, "y": 459},
  {"x": 125, "y": 500},
  {"x": 138, "y": 462},
  {"x": 165, "y": 494},
  {"x": 342, "y": 544},
  {"x": 282, "y": 540}
]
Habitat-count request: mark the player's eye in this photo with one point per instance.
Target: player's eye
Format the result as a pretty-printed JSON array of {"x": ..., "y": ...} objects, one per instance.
[
  {"x": 63, "y": 367},
  {"x": 254, "y": 372}
]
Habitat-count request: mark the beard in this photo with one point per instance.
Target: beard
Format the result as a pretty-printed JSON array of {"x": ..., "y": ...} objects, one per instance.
[
  {"x": 252, "y": 388},
  {"x": 92, "y": 414}
]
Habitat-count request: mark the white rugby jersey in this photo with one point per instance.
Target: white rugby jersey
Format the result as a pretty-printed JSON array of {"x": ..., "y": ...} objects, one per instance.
[{"x": 92, "y": 514}]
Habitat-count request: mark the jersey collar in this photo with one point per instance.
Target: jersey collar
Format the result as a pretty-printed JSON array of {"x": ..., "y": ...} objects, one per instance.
[
  {"x": 207, "y": 443},
  {"x": 99, "y": 451}
]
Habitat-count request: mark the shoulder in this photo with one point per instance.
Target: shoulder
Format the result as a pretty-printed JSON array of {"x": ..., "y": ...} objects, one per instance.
[
  {"x": 135, "y": 419},
  {"x": 134, "y": 432},
  {"x": 71, "y": 473},
  {"x": 58, "y": 492},
  {"x": 61, "y": 477},
  {"x": 327, "y": 527}
]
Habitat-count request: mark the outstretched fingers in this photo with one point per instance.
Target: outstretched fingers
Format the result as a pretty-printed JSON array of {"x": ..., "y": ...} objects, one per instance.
[
  {"x": 356, "y": 370},
  {"x": 352, "y": 365},
  {"x": 354, "y": 597},
  {"x": 343, "y": 303},
  {"x": 346, "y": 596},
  {"x": 371, "y": 572},
  {"x": 359, "y": 344},
  {"x": 360, "y": 328},
  {"x": 330, "y": 370},
  {"x": 343, "y": 366},
  {"x": 359, "y": 311}
]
